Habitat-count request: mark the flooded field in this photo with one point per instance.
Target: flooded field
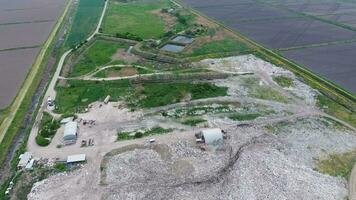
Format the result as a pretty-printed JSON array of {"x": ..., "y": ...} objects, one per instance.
[
  {"x": 336, "y": 62},
  {"x": 24, "y": 27},
  {"x": 14, "y": 71},
  {"x": 282, "y": 24}
]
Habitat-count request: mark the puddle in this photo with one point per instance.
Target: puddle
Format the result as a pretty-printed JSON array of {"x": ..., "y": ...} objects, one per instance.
[
  {"x": 172, "y": 48},
  {"x": 183, "y": 39}
]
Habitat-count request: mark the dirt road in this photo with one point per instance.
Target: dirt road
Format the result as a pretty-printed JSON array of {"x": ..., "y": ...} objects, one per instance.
[{"x": 352, "y": 184}]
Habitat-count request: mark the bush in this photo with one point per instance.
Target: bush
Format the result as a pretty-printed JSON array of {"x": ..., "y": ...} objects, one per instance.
[
  {"x": 129, "y": 36},
  {"x": 138, "y": 135},
  {"x": 60, "y": 167},
  {"x": 42, "y": 141}
]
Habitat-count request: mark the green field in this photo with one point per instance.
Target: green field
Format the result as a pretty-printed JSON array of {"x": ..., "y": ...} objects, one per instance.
[
  {"x": 160, "y": 94},
  {"x": 135, "y": 18},
  {"x": 79, "y": 94},
  {"x": 85, "y": 20},
  {"x": 221, "y": 46},
  {"x": 97, "y": 55}
]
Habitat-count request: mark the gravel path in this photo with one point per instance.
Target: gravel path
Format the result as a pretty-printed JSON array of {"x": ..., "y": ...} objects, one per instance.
[{"x": 352, "y": 184}]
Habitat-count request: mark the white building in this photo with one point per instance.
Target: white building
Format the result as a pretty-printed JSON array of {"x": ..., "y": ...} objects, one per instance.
[
  {"x": 24, "y": 159},
  {"x": 212, "y": 136},
  {"x": 70, "y": 133},
  {"x": 76, "y": 158}
]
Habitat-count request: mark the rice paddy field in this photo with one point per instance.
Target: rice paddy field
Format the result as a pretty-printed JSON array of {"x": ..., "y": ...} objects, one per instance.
[
  {"x": 24, "y": 27},
  {"x": 319, "y": 35}
]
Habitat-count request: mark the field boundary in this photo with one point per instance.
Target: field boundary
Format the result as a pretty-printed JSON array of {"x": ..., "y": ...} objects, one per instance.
[
  {"x": 31, "y": 76},
  {"x": 330, "y": 89}
]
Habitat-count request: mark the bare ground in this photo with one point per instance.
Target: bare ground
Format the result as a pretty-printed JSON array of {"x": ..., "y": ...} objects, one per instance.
[{"x": 254, "y": 163}]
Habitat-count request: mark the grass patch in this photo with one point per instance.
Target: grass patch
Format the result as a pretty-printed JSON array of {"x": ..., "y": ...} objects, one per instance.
[
  {"x": 283, "y": 81},
  {"x": 47, "y": 130},
  {"x": 244, "y": 117},
  {"x": 160, "y": 94},
  {"x": 60, "y": 167},
  {"x": 135, "y": 18},
  {"x": 85, "y": 20},
  {"x": 79, "y": 94},
  {"x": 262, "y": 91},
  {"x": 193, "y": 121},
  {"x": 221, "y": 46},
  {"x": 97, "y": 55},
  {"x": 333, "y": 108},
  {"x": 338, "y": 164},
  {"x": 267, "y": 93},
  {"x": 138, "y": 134}
]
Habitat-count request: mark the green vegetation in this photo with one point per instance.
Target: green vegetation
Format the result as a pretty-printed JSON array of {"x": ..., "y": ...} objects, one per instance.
[
  {"x": 198, "y": 111},
  {"x": 3, "y": 114},
  {"x": 135, "y": 18},
  {"x": 160, "y": 94},
  {"x": 41, "y": 141},
  {"x": 244, "y": 117},
  {"x": 262, "y": 91},
  {"x": 97, "y": 55},
  {"x": 138, "y": 134},
  {"x": 338, "y": 164},
  {"x": 283, "y": 81},
  {"x": 79, "y": 94},
  {"x": 184, "y": 21},
  {"x": 333, "y": 108},
  {"x": 221, "y": 46},
  {"x": 193, "y": 121},
  {"x": 47, "y": 130},
  {"x": 85, "y": 20},
  {"x": 60, "y": 167},
  {"x": 268, "y": 93}
]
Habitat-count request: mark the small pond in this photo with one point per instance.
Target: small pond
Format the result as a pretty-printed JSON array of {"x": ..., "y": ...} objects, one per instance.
[
  {"x": 183, "y": 39},
  {"x": 172, "y": 48}
]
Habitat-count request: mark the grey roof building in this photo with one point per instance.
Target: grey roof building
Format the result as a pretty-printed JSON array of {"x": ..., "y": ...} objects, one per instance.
[{"x": 70, "y": 132}]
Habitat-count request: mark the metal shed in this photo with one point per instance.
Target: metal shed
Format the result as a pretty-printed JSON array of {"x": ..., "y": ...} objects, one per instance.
[
  {"x": 70, "y": 132},
  {"x": 212, "y": 136},
  {"x": 76, "y": 158}
]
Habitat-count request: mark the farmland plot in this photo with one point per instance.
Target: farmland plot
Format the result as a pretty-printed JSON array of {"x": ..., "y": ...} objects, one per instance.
[{"x": 24, "y": 27}]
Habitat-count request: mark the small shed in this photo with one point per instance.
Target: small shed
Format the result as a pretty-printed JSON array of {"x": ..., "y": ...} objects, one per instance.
[
  {"x": 70, "y": 132},
  {"x": 212, "y": 136},
  {"x": 24, "y": 159},
  {"x": 76, "y": 158},
  {"x": 66, "y": 120},
  {"x": 107, "y": 99},
  {"x": 29, "y": 165}
]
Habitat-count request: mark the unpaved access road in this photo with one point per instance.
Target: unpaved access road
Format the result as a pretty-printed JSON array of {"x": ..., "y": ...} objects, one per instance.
[{"x": 352, "y": 184}]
